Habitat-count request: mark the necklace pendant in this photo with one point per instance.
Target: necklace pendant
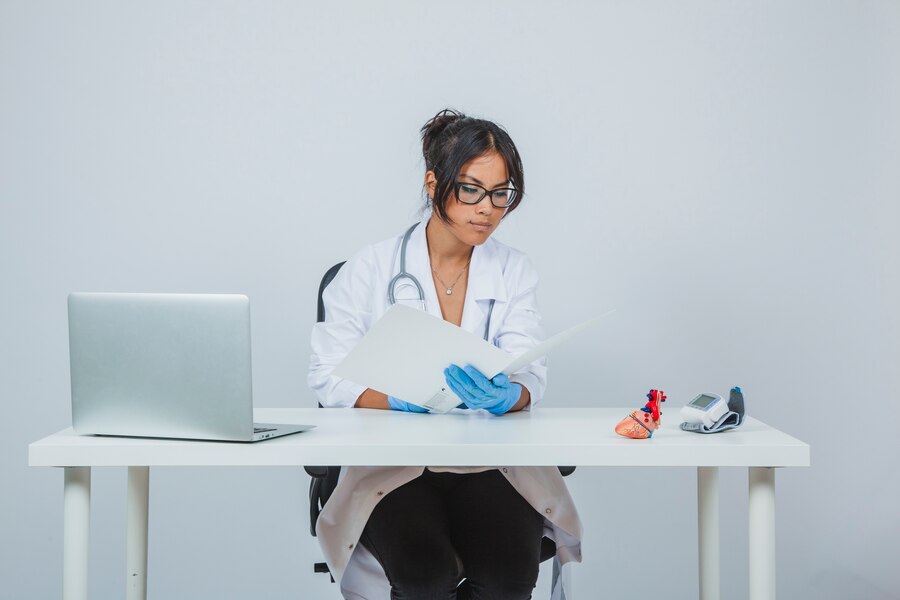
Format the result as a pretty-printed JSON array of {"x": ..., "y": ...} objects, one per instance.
[{"x": 449, "y": 291}]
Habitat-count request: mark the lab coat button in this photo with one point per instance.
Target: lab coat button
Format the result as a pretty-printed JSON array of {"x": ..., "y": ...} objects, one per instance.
[
  {"x": 380, "y": 493},
  {"x": 505, "y": 470},
  {"x": 350, "y": 547},
  {"x": 547, "y": 510}
]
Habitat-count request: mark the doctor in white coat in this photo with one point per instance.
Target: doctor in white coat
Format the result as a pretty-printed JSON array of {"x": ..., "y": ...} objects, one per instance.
[{"x": 415, "y": 532}]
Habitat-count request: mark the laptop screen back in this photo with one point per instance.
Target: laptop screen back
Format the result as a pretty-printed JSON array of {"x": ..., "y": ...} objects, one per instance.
[{"x": 161, "y": 365}]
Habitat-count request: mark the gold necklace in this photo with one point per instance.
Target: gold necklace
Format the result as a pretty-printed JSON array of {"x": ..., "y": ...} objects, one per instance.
[{"x": 449, "y": 289}]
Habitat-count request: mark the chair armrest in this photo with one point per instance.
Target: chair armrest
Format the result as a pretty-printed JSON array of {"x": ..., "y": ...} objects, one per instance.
[
  {"x": 321, "y": 485},
  {"x": 315, "y": 491},
  {"x": 316, "y": 471}
]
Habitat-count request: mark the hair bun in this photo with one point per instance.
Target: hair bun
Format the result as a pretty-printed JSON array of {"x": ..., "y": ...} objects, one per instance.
[{"x": 433, "y": 129}]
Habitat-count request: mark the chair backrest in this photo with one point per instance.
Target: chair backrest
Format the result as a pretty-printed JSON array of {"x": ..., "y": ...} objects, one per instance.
[
  {"x": 324, "y": 479},
  {"x": 326, "y": 279}
]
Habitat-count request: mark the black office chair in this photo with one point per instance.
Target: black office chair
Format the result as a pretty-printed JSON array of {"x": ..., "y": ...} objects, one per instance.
[{"x": 324, "y": 479}]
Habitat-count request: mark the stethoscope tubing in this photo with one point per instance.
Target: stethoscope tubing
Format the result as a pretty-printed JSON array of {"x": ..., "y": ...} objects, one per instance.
[{"x": 403, "y": 274}]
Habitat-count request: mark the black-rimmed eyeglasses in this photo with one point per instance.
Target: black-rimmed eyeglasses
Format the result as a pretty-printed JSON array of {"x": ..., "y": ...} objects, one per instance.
[{"x": 472, "y": 193}]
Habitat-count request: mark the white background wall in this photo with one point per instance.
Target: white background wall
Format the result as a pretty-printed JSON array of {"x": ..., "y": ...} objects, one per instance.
[{"x": 725, "y": 174}]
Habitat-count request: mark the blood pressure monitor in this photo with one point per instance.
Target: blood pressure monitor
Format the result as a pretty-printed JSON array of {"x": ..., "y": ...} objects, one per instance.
[{"x": 706, "y": 409}]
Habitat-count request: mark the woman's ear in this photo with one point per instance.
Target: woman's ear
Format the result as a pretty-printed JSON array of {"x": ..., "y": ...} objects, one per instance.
[{"x": 430, "y": 184}]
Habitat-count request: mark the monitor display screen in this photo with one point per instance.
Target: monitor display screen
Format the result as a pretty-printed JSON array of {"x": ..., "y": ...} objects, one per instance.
[{"x": 703, "y": 401}]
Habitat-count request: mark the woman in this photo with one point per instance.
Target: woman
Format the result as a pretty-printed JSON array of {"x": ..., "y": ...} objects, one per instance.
[{"x": 414, "y": 532}]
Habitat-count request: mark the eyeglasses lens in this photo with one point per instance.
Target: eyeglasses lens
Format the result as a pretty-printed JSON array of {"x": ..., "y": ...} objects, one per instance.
[
  {"x": 503, "y": 198},
  {"x": 472, "y": 194}
]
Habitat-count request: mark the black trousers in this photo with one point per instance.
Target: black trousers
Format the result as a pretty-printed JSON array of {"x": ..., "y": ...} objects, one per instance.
[{"x": 423, "y": 530}]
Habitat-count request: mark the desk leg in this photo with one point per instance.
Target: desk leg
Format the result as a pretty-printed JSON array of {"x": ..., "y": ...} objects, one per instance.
[
  {"x": 708, "y": 531},
  {"x": 76, "y": 531},
  {"x": 136, "y": 542},
  {"x": 762, "y": 533}
]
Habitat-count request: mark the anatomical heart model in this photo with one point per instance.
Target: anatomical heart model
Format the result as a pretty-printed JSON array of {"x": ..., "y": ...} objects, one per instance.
[{"x": 641, "y": 424}]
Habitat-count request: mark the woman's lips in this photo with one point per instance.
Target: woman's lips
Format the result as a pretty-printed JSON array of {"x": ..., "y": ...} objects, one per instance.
[{"x": 482, "y": 227}]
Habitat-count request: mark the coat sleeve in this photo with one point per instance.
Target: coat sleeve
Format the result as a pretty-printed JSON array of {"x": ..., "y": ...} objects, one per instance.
[
  {"x": 521, "y": 329},
  {"x": 348, "y": 315}
]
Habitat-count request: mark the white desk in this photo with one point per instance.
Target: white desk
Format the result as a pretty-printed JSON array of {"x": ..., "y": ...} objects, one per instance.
[{"x": 547, "y": 437}]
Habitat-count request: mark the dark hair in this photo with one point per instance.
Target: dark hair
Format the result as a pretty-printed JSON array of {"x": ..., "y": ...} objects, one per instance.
[{"x": 451, "y": 139}]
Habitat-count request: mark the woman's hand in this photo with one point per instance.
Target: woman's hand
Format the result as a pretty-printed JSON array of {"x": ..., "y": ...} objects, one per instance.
[
  {"x": 397, "y": 404},
  {"x": 496, "y": 395},
  {"x": 374, "y": 399}
]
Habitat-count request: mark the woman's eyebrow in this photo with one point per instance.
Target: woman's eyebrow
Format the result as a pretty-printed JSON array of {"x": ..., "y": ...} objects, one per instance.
[{"x": 481, "y": 183}]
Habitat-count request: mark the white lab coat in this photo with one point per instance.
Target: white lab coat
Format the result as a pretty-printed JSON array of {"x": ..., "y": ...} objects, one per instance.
[{"x": 354, "y": 301}]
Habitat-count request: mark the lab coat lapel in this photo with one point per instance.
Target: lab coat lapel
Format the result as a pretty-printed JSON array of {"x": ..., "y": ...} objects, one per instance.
[{"x": 485, "y": 284}]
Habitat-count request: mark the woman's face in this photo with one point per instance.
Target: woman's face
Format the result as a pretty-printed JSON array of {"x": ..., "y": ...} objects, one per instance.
[{"x": 474, "y": 224}]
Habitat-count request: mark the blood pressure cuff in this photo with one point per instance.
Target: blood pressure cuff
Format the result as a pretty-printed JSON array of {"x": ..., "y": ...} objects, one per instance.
[
  {"x": 733, "y": 418},
  {"x": 729, "y": 420}
]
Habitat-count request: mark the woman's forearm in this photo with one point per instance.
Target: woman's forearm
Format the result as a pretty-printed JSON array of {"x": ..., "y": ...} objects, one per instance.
[
  {"x": 524, "y": 399},
  {"x": 372, "y": 399}
]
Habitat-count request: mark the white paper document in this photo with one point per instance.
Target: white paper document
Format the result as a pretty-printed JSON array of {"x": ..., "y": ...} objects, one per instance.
[{"x": 405, "y": 353}]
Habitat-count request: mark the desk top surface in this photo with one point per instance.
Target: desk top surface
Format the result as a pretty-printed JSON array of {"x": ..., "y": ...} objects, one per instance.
[{"x": 545, "y": 437}]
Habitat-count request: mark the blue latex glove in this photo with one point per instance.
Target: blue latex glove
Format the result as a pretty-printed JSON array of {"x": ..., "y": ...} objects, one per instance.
[
  {"x": 397, "y": 404},
  {"x": 496, "y": 395}
]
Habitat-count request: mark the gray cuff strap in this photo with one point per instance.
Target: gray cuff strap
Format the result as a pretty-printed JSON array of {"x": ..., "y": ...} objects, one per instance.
[{"x": 729, "y": 420}]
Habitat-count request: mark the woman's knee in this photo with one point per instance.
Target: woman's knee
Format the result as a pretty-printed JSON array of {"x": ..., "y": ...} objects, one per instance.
[
  {"x": 501, "y": 588},
  {"x": 418, "y": 566},
  {"x": 426, "y": 579}
]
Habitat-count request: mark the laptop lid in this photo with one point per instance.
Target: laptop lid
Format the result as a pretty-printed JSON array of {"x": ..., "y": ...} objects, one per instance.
[{"x": 161, "y": 365}]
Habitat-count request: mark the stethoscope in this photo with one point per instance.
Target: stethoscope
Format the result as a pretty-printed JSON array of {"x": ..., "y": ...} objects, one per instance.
[{"x": 403, "y": 274}]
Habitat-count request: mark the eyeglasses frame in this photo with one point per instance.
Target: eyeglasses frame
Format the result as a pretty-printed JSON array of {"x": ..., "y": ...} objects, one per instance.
[{"x": 485, "y": 192}]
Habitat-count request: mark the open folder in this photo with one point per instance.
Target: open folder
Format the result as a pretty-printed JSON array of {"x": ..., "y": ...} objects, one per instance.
[{"x": 405, "y": 353}]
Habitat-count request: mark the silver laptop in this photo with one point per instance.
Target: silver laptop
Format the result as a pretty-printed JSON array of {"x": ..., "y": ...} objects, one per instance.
[{"x": 164, "y": 365}]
